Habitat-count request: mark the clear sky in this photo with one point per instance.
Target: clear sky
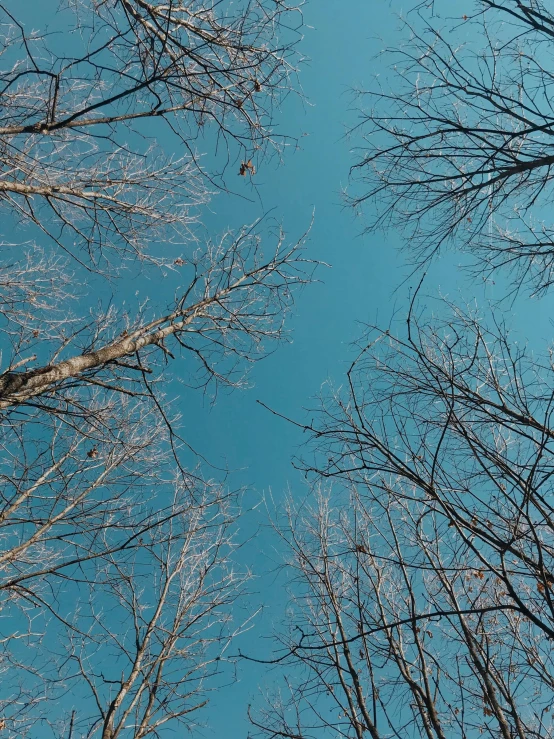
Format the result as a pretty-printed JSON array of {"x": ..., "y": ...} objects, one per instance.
[{"x": 341, "y": 43}]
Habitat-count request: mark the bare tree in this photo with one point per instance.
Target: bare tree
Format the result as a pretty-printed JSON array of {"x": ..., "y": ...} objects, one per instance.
[
  {"x": 422, "y": 594},
  {"x": 459, "y": 137},
  {"x": 235, "y": 303},
  {"x": 114, "y": 550},
  {"x": 77, "y": 161},
  {"x": 118, "y": 587}
]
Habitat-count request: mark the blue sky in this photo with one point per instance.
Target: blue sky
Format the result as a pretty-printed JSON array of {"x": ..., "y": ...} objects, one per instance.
[
  {"x": 359, "y": 286},
  {"x": 341, "y": 43}
]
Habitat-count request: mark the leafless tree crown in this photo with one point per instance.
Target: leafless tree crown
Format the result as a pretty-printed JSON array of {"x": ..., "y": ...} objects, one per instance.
[
  {"x": 118, "y": 581},
  {"x": 422, "y": 602},
  {"x": 77, "y": 160},
  {"x": 458, "y": 137}
]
